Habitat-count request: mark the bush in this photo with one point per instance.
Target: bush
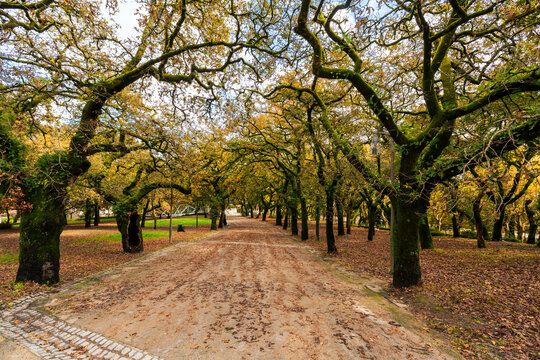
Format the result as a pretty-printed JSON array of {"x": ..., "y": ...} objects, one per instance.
[
  {"x": 468, "y": 234},
  {"x": 435, "y": 232}
]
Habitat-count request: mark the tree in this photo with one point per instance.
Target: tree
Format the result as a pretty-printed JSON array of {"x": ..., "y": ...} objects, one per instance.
[
  {"x": 92, "y": 67},
  {"x": 441, "y": 39}
]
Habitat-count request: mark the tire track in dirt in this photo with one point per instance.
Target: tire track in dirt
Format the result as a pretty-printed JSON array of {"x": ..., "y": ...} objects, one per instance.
[{"x": 248, "y": 292}]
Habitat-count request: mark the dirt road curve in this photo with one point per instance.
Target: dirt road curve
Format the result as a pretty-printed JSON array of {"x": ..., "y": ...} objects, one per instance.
[{"x": 247, "y": 292}]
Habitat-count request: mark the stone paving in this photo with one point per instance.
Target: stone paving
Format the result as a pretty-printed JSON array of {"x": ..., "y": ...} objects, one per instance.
[{"x": 54, "y": 339}]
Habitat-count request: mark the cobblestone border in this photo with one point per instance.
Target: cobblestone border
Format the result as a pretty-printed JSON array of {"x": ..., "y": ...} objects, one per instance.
[{"x": 54, "y": 339}]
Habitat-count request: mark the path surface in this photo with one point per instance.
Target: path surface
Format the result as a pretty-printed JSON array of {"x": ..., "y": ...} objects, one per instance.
[{"x": 248, "y": 292}]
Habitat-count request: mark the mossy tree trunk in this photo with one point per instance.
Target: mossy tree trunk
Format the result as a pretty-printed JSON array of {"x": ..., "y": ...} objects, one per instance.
[
  {"x": 97, "y": 217},
  {"x": 348, "y": 216},
  {"x": 498, "y": 224},
  {"x": 424, "y": 233},
  {"x": 318, "y": 218},
  {"x": 406, "y": 246},
  {"x": 221, "y": 222},
  {"x": 213, "y": 218},
  {"x": 455, "y": 226},
  {"x": 372, "y": 210},
  {"x": 330, "y": 239},
  {"x": 39, "y": 239},
  {"x": 128, "y": 222},
  {"x": 294, "y": 220},
  {"x": 88, "y": 210},
  {"x": 145, "y": 211},
  {"x": 533, "y": 226},
  {"x": 339, "y": 210},
  {"x": 305, "y": 219},
  {"x": 279, "y": 219},
  {"x": 480, "y": 239}
]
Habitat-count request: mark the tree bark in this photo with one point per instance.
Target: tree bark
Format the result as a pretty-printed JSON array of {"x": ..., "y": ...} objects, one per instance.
[
  {"x": 519, "y": 228},
  {"x": 88, "y": 213},
  {"x": 330, "y": 239},
  {"x": 533, "y": 226},
  {"x": 129, "y": 225},
  {"x": 279, "y": 220},
  {"x": 39, "y": 239},
  {"x": 406, "y": 247},
  {"x": 372, "y": 209},
  {"x": 294, "y": 220},
  {"x": 349, "y": 211},
  {"x": 286, "y": 221},
  {"x": 498, "y": 224},
  {"x": 221, "y": 219},
  {"x": 97, "y": 217},
  {"x": 340, "y": 224},
  {"x": 511, "y": 235},
  {"x": 455, "y": 226},
  {"x": 424, "y": 233},
  {"x": 145, "y": 211},
  {"x": 480, "y": 240},
  {"x": 213, "y": 218},
  {"x": 305, "y": 219},
  {"x": 318, "y": 218}
]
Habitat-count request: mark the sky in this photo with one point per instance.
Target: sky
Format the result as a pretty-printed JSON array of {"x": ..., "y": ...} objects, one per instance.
[{"x": 125, "y": 17}]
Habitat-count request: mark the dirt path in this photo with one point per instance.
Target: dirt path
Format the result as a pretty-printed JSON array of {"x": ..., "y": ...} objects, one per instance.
[{"x": 248, "y": 292}]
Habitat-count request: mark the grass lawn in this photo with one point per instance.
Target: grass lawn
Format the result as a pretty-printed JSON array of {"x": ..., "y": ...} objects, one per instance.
[
  {"x": 187, "y": 220},
  {"x": 117, "y": 237}
]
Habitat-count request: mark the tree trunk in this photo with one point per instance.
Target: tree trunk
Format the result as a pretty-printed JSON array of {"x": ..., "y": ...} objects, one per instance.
[
  {"x": 519, "y": 227},
  {"x": 129, "y": 225},
  {"x": 221, "y": 219},
  {"x": 498, "y": 225},
  {"x": 480, "y": 240},
  {"x": 318, "y": 218},
  {"x": 88, "y": 214},
  {"x": 372, "y": 208},
  {"x": 39, "y": 239},
  {"x": 455, "y": 226},
  {"x": 531, "y": 236},
  {"x": 330, "y": 239},
  {"x": 286, "y": 221},
  {"x": 349, "y": 211},
  {"x": 406, "y": 247},
  {"x": 340, "y": 224},
  {"x": 305, "y": 219},
  {"x": 213, "y": 218},
  {"x": 279, "y": 220},
  {"x": 424, "y": 233},
  {"x": 251, "y": 211},
  {"x": 97, "y": 217},
  {"x": 294, "y": 220},
  {"x": 145, "y": 211},
  {"x": 265, "y": 212},
  {"x": 511, "y": 235}
]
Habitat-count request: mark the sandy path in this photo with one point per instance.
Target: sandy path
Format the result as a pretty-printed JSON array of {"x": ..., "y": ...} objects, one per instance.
[{"x": 247, "y": 292}]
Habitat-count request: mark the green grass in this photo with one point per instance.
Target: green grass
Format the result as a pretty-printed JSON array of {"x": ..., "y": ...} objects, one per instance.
[
  {"x": 117, "y": 237},
  {"x": 8, "y": 258},
  {"x": 81, "y": 221},
  {"x": 183, "y": 220},
  {"x": 188, "y": 220}
]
